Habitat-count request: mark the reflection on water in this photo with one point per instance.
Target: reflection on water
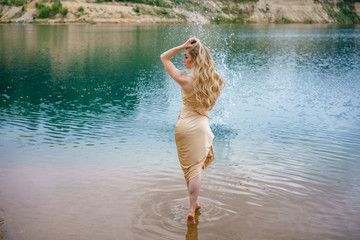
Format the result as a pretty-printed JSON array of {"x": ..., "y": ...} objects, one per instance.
[
  {"x": 192, "y": 229},
  {"x": 72, "y": 88},
  {"x": 90, "y": 98}
]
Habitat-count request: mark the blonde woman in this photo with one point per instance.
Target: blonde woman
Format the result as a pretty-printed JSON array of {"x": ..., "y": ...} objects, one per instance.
[{"x": 200, "y": 90}]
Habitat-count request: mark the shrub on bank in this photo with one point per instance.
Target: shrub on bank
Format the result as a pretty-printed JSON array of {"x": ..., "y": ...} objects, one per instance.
[
  {"x": 346, "y": 14},
  {"x": 158, "y": 3},
  {"x": 238, "y": 1},
  {"x": 136, "y": 9},
  {"x": 16, "y": 3},
  {"x": 48, "y": 12},
  {"x": 220, "y": 19},
  {"x": 100, "y": 1},
  {"x": 64, "y": 11}
]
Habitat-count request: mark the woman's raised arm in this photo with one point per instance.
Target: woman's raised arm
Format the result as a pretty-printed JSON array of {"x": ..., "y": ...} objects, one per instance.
[{"x": 180, "y": 77}]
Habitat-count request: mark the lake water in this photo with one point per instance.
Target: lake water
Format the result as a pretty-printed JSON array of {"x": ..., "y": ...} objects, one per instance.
[{"x": 87, "y": 117}]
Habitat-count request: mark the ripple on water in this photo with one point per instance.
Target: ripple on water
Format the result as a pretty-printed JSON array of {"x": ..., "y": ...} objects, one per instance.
[{"x": 164, "y": 206}]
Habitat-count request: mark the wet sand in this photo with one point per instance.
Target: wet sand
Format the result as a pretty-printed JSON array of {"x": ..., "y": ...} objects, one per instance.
[{"x": 150, "y": 202}]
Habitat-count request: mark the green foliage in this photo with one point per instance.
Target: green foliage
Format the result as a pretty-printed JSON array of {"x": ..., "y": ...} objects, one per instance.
[
  {"x": 81, "y": 9},
  {"x": 4, "y": 2},
  {"x": 16, "y": 3},
  {"x": 64, "y": 11},
  {"x": 266, "y": 9},
  {"x": 136, "y": 9},
  {"x": 181, "y": 16},
  {"x": 47, "y": 12},
  {"x": 351, "y": 1},
  {"x": 226, "y": 10},
  {"x": 56, "y": 7},
  {"x": 285, "y": 20},
  {"x": 161, "y": 3},
  {"x": 158, "y": 3},
  {"x": 205, "y": 10},
  {"x": 238, "y": 1},
  {"x": 39, "y": 5},
  {"x": 308, "y": 20},
  {"x": 346, "y": 14},
  {"x": 164, "y": 13},
  {"x": 280, "y": 18},
  {"x": 181, "y": 2},
  {"x": 44, "y": 12},
  {"x": 221, "y": 20},
  {"x": 186, "y": 4},
  {"x": 233, "y": 11},
  {"x": 243, "y": 13}
]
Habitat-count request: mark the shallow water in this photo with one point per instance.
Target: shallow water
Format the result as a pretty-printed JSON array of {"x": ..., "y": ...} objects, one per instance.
[{"x": 87, "y": 151}]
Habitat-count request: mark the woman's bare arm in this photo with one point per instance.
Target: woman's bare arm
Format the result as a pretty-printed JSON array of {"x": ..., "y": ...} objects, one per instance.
[{"x": 179, "y": 76}]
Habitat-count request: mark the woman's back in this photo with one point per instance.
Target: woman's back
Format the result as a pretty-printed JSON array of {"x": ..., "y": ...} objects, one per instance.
[{"x": 191, "y": 104}]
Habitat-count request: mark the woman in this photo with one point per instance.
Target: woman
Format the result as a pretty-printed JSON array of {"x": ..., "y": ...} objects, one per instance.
[{"x": 200, "y": 90}]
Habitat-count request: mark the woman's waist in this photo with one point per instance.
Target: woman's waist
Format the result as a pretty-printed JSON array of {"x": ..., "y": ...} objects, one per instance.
[{"x": 188, "y": 111}]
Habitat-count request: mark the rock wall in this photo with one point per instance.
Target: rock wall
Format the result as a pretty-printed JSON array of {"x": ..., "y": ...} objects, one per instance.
[
  {"x": 276, "y": 11},
  {"x": 357, "y": 8}
]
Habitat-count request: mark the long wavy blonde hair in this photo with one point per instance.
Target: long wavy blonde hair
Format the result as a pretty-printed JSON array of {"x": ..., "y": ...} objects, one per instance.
[{"x": 208, "y": 82}]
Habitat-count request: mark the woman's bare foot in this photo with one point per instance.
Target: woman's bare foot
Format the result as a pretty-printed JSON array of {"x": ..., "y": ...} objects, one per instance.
[
  {"x": 191, "y": 216},
  {"x": 197, "y": 206}
]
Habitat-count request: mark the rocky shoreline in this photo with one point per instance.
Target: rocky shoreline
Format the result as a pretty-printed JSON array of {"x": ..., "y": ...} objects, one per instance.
[{"x": 171, "y": 11}]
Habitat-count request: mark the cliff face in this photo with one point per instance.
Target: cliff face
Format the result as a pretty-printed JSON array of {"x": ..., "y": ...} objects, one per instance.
[
  {"x": 177, "y": 11},
  {"x": 357, "y": 8},
  {"x": 299, "y": 11}
]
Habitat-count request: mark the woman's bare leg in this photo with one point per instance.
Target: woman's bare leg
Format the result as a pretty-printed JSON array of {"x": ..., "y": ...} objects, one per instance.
[
  {"x": 197, "y": 203},
  {"x": 194, "y": 189}
]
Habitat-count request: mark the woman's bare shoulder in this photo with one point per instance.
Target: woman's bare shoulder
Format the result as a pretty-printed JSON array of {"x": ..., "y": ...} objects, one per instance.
[{"x": 189, "y": 86}]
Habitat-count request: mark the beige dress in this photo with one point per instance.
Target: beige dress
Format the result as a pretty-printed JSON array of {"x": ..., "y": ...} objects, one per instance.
[{"x": 193, "y": 138}]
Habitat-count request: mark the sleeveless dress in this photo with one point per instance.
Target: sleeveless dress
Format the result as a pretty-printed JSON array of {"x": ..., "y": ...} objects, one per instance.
[{"x": 193, "y": 138}]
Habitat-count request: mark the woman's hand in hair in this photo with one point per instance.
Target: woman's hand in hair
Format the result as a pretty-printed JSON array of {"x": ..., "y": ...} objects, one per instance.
[{"x": 191, "y": 41}]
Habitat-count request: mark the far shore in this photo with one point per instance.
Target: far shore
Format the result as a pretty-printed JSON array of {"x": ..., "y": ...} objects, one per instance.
[
  {"x": 207, "y": 12},
  {"x": 167, "y": 23}
]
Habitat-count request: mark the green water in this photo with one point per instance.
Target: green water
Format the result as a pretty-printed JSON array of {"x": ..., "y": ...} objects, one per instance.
[{"x": 96, "y": 96}]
